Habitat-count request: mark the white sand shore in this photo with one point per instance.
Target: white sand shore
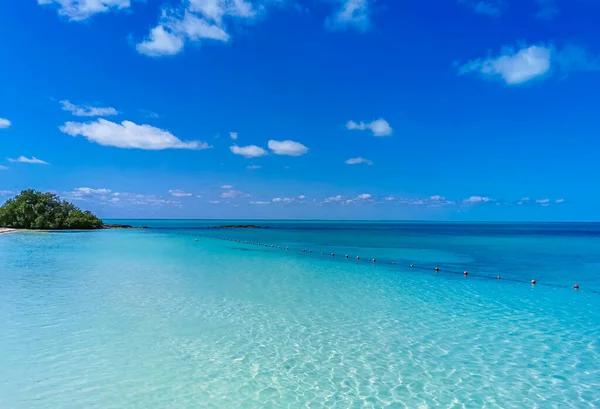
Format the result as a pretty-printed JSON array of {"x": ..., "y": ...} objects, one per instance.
[{"x": 6, "y": 230}]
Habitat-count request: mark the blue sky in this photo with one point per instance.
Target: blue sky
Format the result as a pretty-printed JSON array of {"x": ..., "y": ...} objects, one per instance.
[{"x": 351, "y": 109}]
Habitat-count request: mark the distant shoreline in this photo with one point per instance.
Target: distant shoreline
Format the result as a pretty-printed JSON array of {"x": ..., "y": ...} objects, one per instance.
[{"x": 4, "y": 230}]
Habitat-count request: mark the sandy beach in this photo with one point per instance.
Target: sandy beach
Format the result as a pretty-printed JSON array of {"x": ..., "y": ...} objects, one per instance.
[{"x": 7, "y": 230}]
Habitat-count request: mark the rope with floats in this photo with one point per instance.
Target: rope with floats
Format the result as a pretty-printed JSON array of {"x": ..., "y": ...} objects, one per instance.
[{"x": 436, "y": 269}]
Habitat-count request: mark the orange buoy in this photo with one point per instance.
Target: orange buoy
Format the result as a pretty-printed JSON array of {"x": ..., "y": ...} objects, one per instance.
[
  {"x": 533, "y": 282},
  {"x": 466, "y": 273},
  {"x": 576, "y": 286}
]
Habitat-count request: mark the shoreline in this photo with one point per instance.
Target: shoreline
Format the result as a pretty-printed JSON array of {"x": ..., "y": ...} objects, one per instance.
[{"x": 5, "y": 230}]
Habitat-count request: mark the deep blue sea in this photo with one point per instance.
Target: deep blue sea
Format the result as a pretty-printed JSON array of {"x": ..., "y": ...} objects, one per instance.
[{"x": 184, "y": 316}]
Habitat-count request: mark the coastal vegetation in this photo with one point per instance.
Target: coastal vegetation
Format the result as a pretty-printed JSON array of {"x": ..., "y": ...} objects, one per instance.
[{"x": 32, "y": 209}]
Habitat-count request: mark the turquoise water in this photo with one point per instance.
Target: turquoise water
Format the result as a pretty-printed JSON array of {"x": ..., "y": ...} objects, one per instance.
[{"x": 154, "y": 319}]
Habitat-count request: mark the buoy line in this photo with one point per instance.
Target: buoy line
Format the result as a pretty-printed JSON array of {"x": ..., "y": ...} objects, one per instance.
[{"x": 435, "y": 269}]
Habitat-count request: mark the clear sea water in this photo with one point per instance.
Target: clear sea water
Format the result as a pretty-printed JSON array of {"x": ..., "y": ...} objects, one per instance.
[{"x": 154, "y": 319}]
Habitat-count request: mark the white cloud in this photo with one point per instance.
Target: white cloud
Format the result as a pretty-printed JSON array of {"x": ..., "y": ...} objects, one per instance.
[
  {"x": 514, "y": 67},
  {"x": 537, "y": 61},
  {"x": 525, "y": 199},
  {"x": 390, "y": 198},
  {"x": 214, "y": 201},
  {"x": 33, "y": 160},
  {"x": 233, "y": 194},
  {"x": 226, "y": 187},
  {"x": 283, "y": 200},
  {"x": 364, "y": 196},
  {"x": 85, "y": 110},
  {"x": 437, "y": 198},
  {"x": 478, "y": 199},
  {"x": 2, "y": 167},
  {"x": 332, "y": 199},
  {"x": 354, "y": 14},
  {"x": 6, "y": 193},
  {"x": 250, "y": 151},
  {"x": 160, "y": 43},
  {"x": 258, "y": 202},
  {"x": 252, "y": 167},
  {"x": 287, "y": 147},
  {"x": 543, "y": 201},
  {"x": 79, "y": 10},
  {"x": 179, "y": 193},
  {"x": 86, "y": 191},
  {"x": 379, "y": 127},
  {"x": 4, "y": 123},
  {"x": 128, "y": 135},
  {"x": 301, "y": 197},
  {"x": 198, "y": 20},
  {"x": 233, "y": 135},
  {"x": 356, "y": 161},
  {"x": 560, "y": 200}
]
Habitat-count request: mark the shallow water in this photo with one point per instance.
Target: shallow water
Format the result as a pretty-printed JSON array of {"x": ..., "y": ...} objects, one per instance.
[{"x": 153, "y": 319}]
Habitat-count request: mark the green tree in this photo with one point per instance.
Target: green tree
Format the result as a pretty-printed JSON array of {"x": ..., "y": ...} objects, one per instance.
[{"x": 45, "y": 211}]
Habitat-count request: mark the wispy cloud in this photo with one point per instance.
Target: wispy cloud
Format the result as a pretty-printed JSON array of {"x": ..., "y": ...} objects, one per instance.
[
  {"x": 234, "y": 194},
  {"x": 32, "y": 160},
  {"x": 493, "y": 8},
  {"x": 160, "y": 43},
  {"x": 80, "y": 10},
  {"x": 357, "y": 161},
  {"x": 379, "y": 127},
  {"x": 333, "y": 199},
  {"x": 259, "y": 202},
  {"x": 87, "y": 191},
  {"x": 198, "y": 20},
  {"x": 233, "y": 135},
  {"x": 253, "y": 167},
  {"x": 128, "y": 135},
  {"x": 179, "y": 193},
  {"x": 250, "y": 151},
  {"x": 283, "y": 200},
  {"x": 351, "y": 14},
  {"x": 543, "y": 201},
  {"x": 86, "y": 110},
  {"x": 478, "y": 199},
  {"x": 560, "y": 201},
  {"x": 226, "y": 187},
  {"x": 2, "y": 167},
  {"x": 6, "y": 193},
  {"x": 287, "y": 147},
  {"x": 515, "y": 67},
  {"x": 548, "y": 9},
  {"x": 4, "y": 123}
]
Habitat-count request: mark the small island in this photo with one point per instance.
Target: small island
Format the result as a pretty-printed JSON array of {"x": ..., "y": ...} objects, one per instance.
[
  {"x": 239, "y": 226},
  {"x": 35, "y": 210}
]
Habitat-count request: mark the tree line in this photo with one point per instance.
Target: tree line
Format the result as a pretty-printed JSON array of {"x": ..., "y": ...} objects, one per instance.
[{"x": 32, "y": 209}]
